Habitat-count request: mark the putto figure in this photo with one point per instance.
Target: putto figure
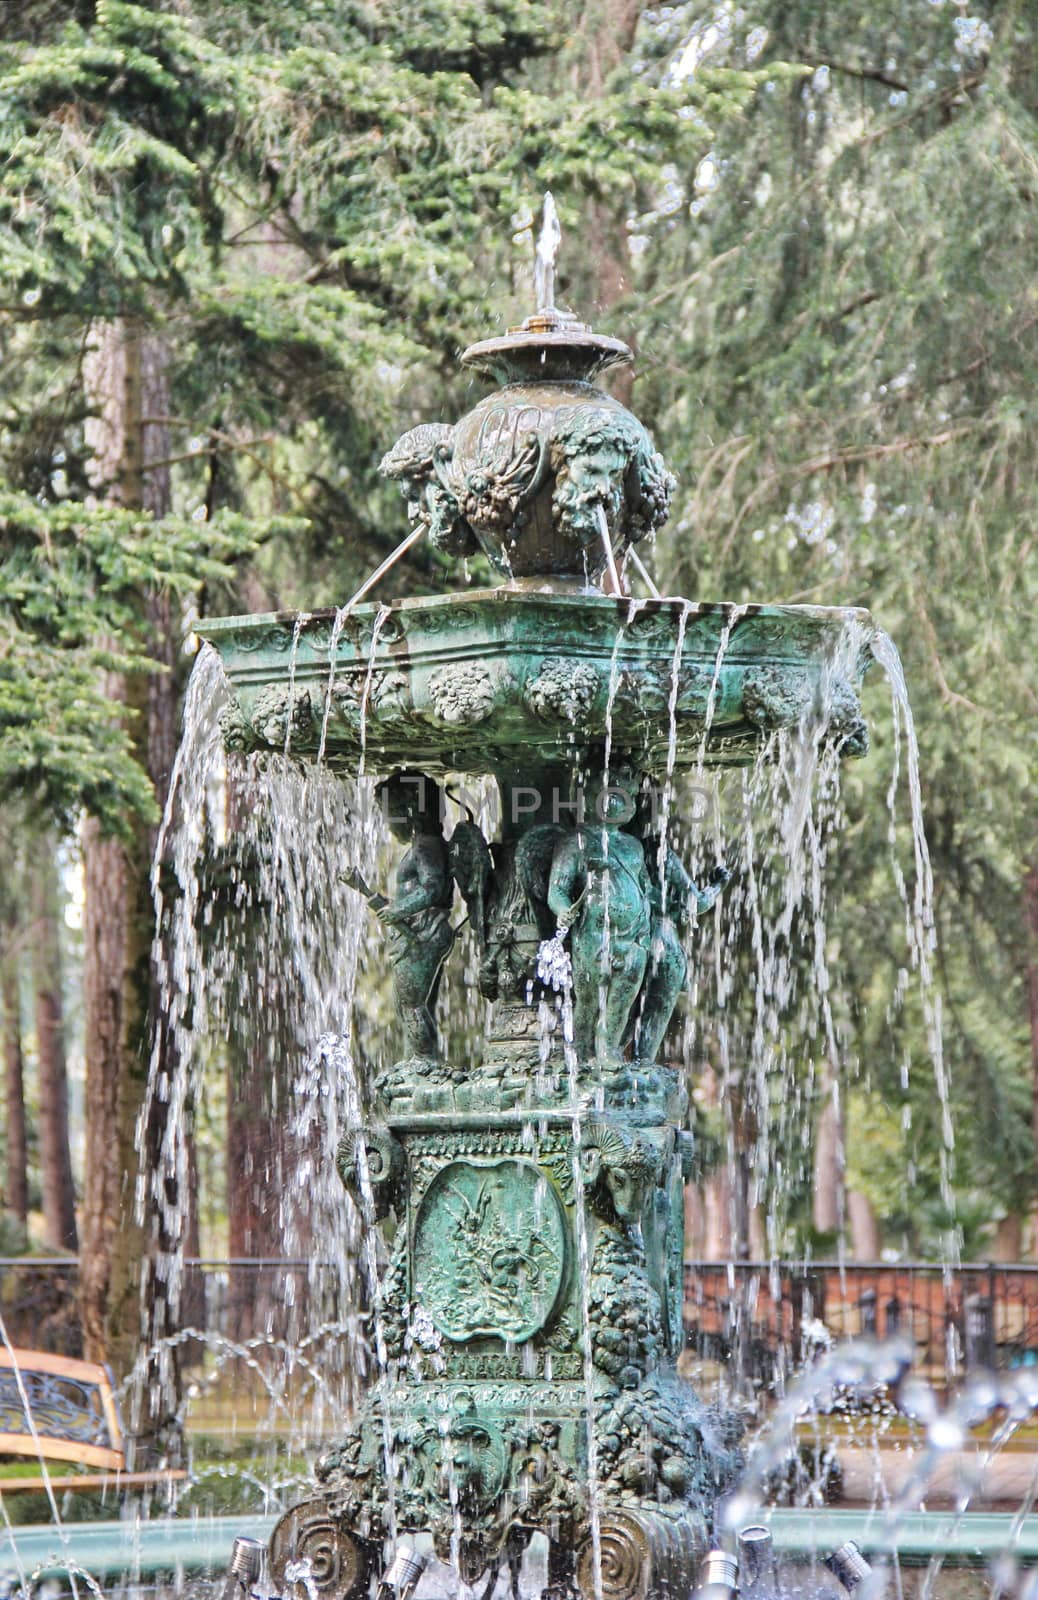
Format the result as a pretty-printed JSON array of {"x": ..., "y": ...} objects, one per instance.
[
  {"x": 418, "y": 915},
  {"x": 676, "y": 903},
  {"x": 629, "y": 907},
  {"x": 599, "y": 890}
]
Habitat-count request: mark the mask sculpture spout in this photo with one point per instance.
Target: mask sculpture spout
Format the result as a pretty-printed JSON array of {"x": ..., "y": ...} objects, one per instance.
[{"x": 529, "y": 1193}]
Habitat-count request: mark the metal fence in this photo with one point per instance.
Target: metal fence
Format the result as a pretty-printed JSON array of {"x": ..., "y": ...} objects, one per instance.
[
  {"x": 762, "y": 1319},
  {"x": 759, "y": 1319},
  {"x": 235, "y": 1300}
]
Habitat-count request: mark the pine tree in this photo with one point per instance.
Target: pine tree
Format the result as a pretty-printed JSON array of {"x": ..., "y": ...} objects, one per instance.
[
  {"x": 292, "y": 220},
  {"x": 840, "y": 348}
]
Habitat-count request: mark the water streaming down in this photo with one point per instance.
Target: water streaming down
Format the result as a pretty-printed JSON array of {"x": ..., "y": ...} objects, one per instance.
[
  {"x": 381, "y": 617},
  {"x": 338, "y": 623},
  {"x": 794, "y": 787},
  {"x": 178, "y": 969},
  {"x": 672, "y": 732},
  {"x": 337, "y": 1051},
  {"x": 577, "y": 1113},
  {"x": 920, "y": 922},
  {"x": 771, "y": 1030},
  {"x": 256, "y": 921}
]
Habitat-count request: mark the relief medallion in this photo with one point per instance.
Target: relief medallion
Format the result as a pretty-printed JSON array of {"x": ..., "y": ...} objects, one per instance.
[{"x": 490, "y": 1250}]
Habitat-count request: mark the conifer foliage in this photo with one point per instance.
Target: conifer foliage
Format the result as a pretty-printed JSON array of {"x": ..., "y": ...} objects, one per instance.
[
  {"x": 241, "y": 246},
  {"x": 846, "y": 344}
]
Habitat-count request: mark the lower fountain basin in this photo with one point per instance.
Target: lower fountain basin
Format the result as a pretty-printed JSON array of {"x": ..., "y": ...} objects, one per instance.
[
  {"x": 483, "y": 680},
  {"x": 114, "y": 1551}
]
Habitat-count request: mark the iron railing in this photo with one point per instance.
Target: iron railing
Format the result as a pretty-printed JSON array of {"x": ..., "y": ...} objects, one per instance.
[
  {"x": 759, "y": 1319},
  {"x": 762, "y": 1319}
]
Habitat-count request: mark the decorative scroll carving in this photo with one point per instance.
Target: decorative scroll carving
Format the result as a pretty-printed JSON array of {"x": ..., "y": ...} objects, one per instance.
[
  {"x": 383, "y": 1165},
  {"x": 641, "y": 1552},
  {"x": 312, "y": 1555}
]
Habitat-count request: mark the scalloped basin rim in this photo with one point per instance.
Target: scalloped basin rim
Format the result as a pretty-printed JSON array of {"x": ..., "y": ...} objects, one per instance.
[
  {"x": 634, "y": 608},
  {"x": 486, "y": 679}
]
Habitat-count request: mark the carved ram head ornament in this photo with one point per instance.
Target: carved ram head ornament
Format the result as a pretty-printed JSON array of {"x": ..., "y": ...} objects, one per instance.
[{"x": 620, "y": 1167}]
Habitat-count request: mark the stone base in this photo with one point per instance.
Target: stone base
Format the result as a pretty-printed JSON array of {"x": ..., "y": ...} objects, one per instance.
[
  {"x": 641, "y": 1551},
  {"x": 485, "y": 1463},
  {"x": 530, "y": 1318}
]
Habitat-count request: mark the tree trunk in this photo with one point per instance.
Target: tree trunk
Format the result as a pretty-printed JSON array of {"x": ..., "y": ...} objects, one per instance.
[
  {"x": 827, "y": 1196},
  {"x": 718, "y": 1208},
  {"x": 695, "y": 1224},
  {"x": 1030, "y": 908},
  {"x": 259, "y": 1094},
  {"x": 108, "y": 1191},
  {"x": 864, "y": 1228},
  {"x": 124, "y": 1297},
  {"x": 104, "y": 936},
  {"x": 59, "y": 1204},
  {"x": 192, "y": 1298},
  {"x": 250, "y": 1190},
  {"x": 16, "y": 1177},
  {"x": 16, "y": 1181},
  {"x": 602, "y": 41},
  {"x": 741, "y": 1138},
  {"x": 1008, "y": 1241}
]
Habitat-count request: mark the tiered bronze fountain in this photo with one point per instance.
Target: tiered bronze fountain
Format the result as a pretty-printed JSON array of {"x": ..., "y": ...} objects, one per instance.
[{"x": 530, "y": 1313}]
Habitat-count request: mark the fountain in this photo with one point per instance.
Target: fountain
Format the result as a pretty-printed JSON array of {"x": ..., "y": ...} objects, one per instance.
[{"x": 524, "y": 1208}]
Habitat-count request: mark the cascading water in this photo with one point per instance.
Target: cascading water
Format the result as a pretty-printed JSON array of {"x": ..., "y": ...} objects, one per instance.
[
  {"x": 262, "y": 942},
  {"x": 767, "y": 1019}
]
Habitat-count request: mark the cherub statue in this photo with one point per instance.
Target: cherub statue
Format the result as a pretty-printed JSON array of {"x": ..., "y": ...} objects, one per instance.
[
  {"x": 675, "y": 900},
  {"x": 418, "y": 915},
  {"x": 599, "y": 889}
]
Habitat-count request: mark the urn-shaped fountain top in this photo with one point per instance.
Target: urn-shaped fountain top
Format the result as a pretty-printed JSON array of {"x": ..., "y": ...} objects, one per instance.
[
  {"x": 554, "y": 481},
  {"x": 550, "y": 477}
]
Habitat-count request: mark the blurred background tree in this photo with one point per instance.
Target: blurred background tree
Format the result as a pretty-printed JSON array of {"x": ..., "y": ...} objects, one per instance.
[{"x": 838, "y": 319}]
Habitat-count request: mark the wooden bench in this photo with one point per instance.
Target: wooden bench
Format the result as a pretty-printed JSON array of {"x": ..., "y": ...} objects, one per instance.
[{"x": 56, "y": 1409}]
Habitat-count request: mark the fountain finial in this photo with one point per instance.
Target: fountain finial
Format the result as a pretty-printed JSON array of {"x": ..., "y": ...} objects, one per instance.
[
  {"x": 546, "y": 254},
  {"x": 550, "y": 345}
]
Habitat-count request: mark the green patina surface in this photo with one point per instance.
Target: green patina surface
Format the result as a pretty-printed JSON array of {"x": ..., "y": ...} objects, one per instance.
[
  {"x": 529, "y": 1306},
  {"x": 491, "y": 680}
]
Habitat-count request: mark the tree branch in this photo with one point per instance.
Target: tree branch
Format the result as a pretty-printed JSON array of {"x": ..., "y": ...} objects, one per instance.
[
  {"x": 870, "y": 74},
  {"x": 948, "y": 694}
]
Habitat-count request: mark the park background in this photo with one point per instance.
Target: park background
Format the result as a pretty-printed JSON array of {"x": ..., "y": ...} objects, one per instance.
[{"x": 241, "y": 247}]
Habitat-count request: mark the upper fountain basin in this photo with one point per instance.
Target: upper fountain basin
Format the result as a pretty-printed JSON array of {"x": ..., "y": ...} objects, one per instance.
[{"x": 479, "y": 681}]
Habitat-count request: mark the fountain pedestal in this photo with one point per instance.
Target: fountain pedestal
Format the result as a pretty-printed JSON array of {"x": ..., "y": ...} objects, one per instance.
[
  {"x": 527, "y": 1205},
  {"x": 499, "y": 1411}
]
